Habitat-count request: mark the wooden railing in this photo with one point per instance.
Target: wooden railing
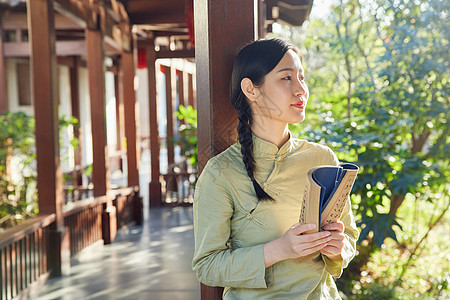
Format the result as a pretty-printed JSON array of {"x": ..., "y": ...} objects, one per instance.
[
  {"x": 128, "y": 205},
  {"x": 84, "y": 221},
  {"x": 23, "y": 255},
  {"x": 178, "y": 184},
  {"x": 178, "y": 188},
  {"x": 25, "y": 250}
]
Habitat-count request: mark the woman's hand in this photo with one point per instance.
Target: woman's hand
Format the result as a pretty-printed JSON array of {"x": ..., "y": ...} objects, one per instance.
[
  {"x": 295, "y": 243},
  {"x": 334, "y": 247}
]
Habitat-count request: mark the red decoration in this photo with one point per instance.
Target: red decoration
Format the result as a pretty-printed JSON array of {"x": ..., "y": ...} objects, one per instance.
[
  {"x": 190, "y": 20},
  {"x": 142, "y": 58}
]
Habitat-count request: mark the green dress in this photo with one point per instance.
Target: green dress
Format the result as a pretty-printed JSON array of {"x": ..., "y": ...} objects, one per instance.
[{"x": 231, "y": 227}]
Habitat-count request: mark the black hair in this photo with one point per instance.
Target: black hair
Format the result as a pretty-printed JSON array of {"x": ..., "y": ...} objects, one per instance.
[{"x": 254, "y": 61}]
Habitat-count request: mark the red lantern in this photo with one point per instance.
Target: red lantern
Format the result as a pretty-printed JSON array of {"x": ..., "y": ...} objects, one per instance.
[{"x": 142, "y": 58}]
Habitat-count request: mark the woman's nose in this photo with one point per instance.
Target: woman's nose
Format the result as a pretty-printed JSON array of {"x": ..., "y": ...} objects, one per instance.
[{"x": 300, "y": 88}]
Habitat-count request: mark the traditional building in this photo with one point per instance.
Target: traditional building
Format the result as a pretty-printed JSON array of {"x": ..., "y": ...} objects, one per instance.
[{"x": 80, "y": 58}]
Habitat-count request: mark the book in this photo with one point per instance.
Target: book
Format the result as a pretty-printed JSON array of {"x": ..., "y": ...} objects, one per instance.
[{"x": 326, "y": 192}]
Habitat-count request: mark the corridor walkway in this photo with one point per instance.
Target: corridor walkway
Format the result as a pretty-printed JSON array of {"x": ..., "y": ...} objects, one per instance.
[{"x": 146, "y": 262}]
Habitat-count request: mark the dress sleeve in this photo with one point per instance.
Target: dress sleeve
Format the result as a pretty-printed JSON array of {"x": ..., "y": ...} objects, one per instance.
[
  {"x": 336, "y": 267},
  {"x": 214, "y": 262}
]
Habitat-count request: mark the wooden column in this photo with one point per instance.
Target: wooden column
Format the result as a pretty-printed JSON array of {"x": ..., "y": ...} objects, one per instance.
[
  {"x": 129, "y": 100},
  {"x": 218, "y": 37},
  {"x": 181, "y": 98},
  {"x": 100, "y": 175},
  {"x": 155, "y": 184},
  {"x": 96, "y": 75},
  {"x": 191, "y": 91},
  {"x": 45, "y": 102},
  {"x": 75, "y": 102},
  {"x": 169, "y": 115},
  {"x": 120, "y": 127},
  {"x": 261, "y": 18},
  {"x": 3, "y": 94}
]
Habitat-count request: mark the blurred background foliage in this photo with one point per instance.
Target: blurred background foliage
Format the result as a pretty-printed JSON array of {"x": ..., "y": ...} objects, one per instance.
[
  {"x": 378, "y": 75},
  {"x": 18, "y": 194}
]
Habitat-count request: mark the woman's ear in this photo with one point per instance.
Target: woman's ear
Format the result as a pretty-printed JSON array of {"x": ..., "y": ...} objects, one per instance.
[{"x": 249, "y": 89}]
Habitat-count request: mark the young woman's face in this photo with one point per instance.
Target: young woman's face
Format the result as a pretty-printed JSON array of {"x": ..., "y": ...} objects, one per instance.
[{"x": 284, "y": 93}]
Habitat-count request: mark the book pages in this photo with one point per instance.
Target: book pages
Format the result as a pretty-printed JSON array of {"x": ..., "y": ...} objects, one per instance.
[
  {"x": 333, "y": 211},
  {"x": 325, "y": 211},
  {"x": 310, "y": 209}
]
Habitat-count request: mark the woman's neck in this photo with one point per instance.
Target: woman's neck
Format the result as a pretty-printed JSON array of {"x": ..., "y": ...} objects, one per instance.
[{"x": 276, "y": 133}]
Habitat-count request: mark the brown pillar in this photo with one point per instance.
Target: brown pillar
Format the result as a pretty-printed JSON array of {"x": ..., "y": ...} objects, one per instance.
[
  {"x": 3, "y": 94},
  {"x": 155, "y": 184},
  {"x": 218, "y": 37},
  {"x": 75, "y": 102},
  {"x": 261, "y": 18},
  {"x": 120, "y": 127},
  {"x": 96, "y": 75},
  {"x": 100, "y": 175},
  {"x": 191, "y": 91},
  {"x": 169, "y": 112},
  {"x": 45, "y": 102},
  {"x": 181, "y": 98},
  {"x": 129, "y": 100}
]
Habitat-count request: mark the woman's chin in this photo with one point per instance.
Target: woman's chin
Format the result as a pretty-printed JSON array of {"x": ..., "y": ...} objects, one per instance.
[{"x": 299, "y": 118}]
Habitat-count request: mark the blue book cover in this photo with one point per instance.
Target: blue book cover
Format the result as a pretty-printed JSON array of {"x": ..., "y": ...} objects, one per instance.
[{"x": 326, "y": 193}]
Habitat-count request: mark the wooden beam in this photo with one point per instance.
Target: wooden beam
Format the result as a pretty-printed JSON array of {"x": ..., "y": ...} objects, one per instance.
[
  {"x": 218, "y": 37},
  {"x": 129, "y": 99},
  {"x": 190, "y": 53},
  {"x": 66, "y": 61},
  {"x": 155, "y": 184},
  {"x": 63, "y": 48},
  {"x": 171, "y": 16},
  {"x": 96, "y": 74},
  {"x": 3, "y": 94},
  {"x": 178, "y": 34},
  {"x": 16, "y": 20},
  {"x": 78, "y": 12}
]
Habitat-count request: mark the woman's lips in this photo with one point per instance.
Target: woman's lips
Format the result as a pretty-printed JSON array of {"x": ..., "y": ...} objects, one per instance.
[{"x": 300, "y": 104}]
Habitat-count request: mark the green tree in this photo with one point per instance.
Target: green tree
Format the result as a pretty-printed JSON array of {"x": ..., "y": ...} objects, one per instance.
[
  {"x": 18, "y": 198},
  {"x": 383, "y": 68}
]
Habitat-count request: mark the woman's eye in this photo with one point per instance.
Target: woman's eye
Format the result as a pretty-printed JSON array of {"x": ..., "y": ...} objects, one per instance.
[{"x": 287, "y": 78}]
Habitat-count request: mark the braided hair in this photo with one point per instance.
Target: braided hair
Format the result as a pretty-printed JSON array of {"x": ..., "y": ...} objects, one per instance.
[{"x": 254, "y": 61}]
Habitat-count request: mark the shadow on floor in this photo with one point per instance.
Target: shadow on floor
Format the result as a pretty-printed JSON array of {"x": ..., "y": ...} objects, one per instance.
[{"x": 152, "y": 261}]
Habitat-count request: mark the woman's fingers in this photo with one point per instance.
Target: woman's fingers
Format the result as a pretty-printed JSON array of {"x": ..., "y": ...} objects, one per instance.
[
  {"x": 330, "y": 250},
  {"x": 336, "y": 226},
  {"x": 298, "y": 228},
  {"x": 313, "y": 249}
]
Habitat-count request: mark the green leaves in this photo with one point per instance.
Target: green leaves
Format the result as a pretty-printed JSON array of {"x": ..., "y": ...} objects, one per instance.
[
  {"x": 18, "y": 196},
  {"x": 381, "y": 225},
  {"x": 386, "y": 65},
  {"x": 187, "y": 138}
]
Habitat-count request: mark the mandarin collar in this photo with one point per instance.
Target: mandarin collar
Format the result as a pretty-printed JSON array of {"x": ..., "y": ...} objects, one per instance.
[{"x": 263, "y": 148}]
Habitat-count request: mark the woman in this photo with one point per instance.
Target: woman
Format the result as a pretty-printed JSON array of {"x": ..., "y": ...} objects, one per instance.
[{"x": 248, "y": 198}]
